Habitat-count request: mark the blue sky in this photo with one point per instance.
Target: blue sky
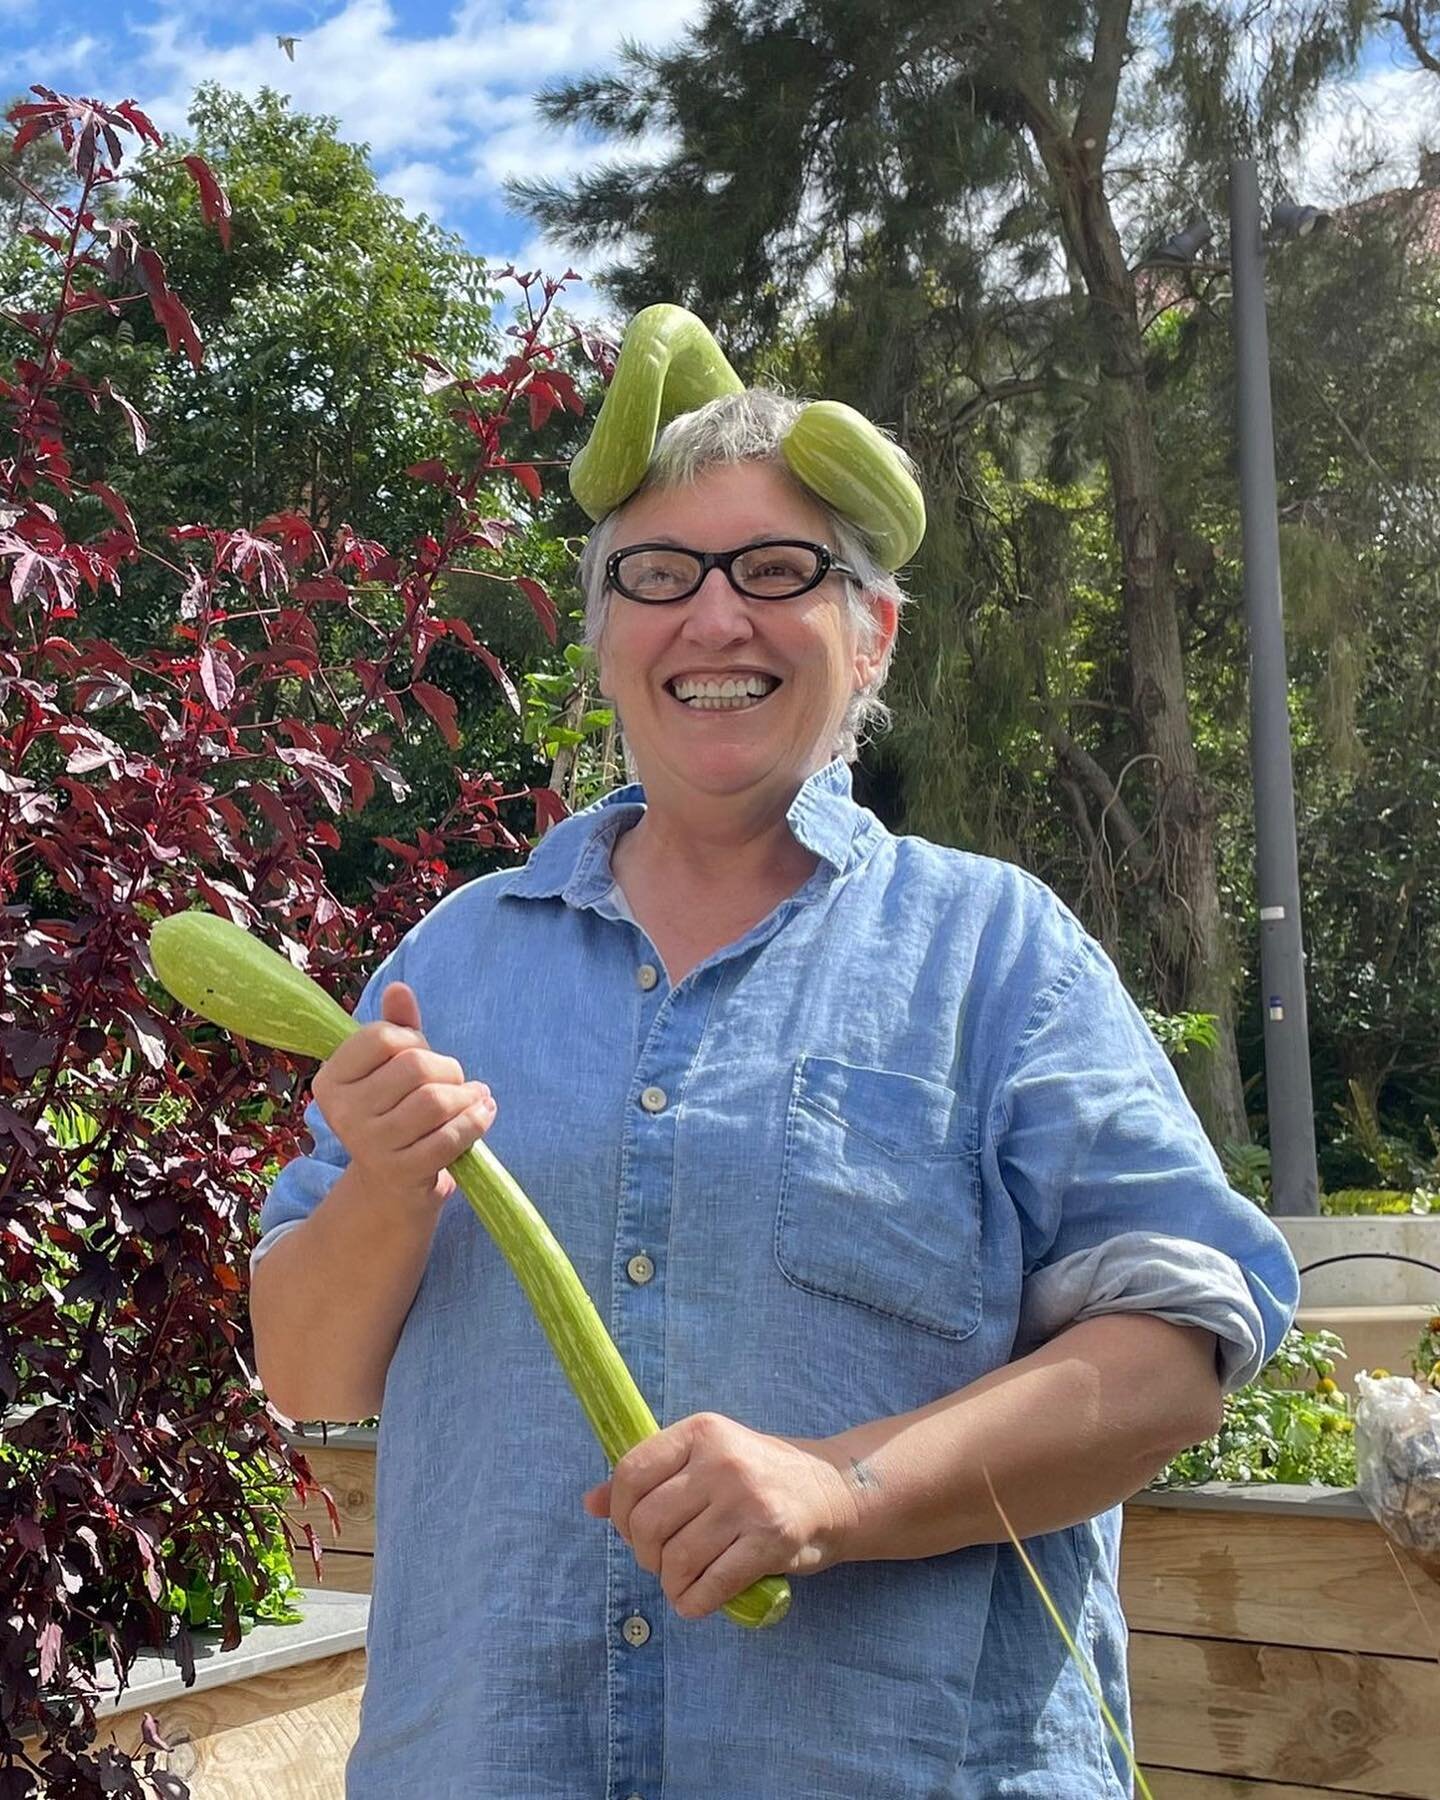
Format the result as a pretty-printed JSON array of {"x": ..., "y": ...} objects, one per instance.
[{"x": 442, "y": 90}]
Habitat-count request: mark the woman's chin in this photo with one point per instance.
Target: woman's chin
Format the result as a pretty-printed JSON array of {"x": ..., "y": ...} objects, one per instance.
[{"x": 719, "y": 768}]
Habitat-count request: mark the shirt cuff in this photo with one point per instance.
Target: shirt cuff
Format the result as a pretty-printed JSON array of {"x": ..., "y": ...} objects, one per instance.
[{"x": 1176, "y": 1279}]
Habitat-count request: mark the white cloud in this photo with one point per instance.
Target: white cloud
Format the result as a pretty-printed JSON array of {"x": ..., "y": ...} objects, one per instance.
[
  {"x": 447, "y": 116},
  {"x": 426, "y": 187},
  {"x": 402, "y": 93}
]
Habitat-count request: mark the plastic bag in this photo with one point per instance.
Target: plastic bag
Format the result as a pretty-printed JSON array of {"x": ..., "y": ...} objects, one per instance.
[{"x": 1397, "y": 1459}]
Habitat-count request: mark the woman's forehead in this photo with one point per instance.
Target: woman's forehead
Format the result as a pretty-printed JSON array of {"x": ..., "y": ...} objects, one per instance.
[{"x": 751, "y": 498}]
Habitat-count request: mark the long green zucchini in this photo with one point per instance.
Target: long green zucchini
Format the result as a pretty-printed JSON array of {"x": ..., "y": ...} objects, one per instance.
[
  {"x": 669, "y": 364},
  {"x": 220, "y": 971}
]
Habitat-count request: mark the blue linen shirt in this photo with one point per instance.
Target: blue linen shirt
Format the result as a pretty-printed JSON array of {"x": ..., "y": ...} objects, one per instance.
[{"x": 906, "y": 1126}]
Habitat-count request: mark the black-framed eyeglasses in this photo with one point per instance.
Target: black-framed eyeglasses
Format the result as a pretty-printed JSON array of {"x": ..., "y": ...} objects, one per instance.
[{"x": 778, "y": 569}]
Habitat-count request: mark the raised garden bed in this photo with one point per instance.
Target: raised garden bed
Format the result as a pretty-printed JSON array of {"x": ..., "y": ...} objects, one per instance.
[
  {"x": 273, "y": 1719},
  {"x": 1279, "y": 1651},
  {"x": 1278, "y": 1648}
]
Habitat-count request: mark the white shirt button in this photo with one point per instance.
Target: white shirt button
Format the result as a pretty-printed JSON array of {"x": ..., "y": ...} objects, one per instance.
[
  {"x": 640, "y": 1268},
  {"x": 654, "y": 1099},
  {"x": 635, "y": 1631},
  {"x": 647, "y": 975}
]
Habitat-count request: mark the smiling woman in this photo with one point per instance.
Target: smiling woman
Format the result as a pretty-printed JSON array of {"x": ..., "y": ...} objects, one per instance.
[{"x": 890, "y": 1200}]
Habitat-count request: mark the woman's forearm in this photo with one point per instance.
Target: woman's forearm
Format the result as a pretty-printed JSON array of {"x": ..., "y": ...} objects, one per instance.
[
  {"x": 1062, "y": 1434},
  {"x": 328, "y": 1300}
]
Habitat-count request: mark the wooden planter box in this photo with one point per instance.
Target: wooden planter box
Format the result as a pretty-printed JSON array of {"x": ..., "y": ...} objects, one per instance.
[
  {"x": 1279, "y": 1651},
  {"x": 271, "y": 1720}
]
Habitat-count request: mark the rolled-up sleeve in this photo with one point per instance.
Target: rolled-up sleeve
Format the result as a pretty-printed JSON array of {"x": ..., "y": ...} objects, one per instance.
[
  {"x": 305, "y": 1181},
  {"x": 1122, "y": 1201}
]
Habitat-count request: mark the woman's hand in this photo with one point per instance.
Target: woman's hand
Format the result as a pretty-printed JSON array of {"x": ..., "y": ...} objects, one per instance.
[
  {"x": 403, "y": 1112},
  {"x": 710, "y": 1506}
]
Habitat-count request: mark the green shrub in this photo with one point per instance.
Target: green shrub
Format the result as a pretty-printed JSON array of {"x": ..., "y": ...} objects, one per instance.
[
  {"x": 1291, "y": 1424},
  {"x": 1379, "y": 1203}
]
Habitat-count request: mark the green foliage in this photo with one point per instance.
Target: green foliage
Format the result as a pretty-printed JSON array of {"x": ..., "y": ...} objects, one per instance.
[
  {"x": 1349, "y": 1203},
  {"x": 309, "y": 397},
  {"x": 1426, "y": 1360},
  {"x": 568, "y": 722},
  {"x": 1395, "y": 1160},
  {"x": 200, "y": 1598},
  {"x": 1247, "y": 1169},
  {"x": 1292, "y": 1424},
  {"x": 1179, "y": 1033}
]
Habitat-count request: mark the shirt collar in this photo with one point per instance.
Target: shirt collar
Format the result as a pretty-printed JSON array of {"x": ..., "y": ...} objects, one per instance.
[{"x": 572, "y": 860}]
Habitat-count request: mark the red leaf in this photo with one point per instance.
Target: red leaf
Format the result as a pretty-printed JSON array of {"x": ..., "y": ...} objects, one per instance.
[
  {"x": 42, "y": 119},
  {"x": 321, "y": 587},
  {"x": 276, "y": 812},
  {"x": 169, "y": 309},
  {"x": 362, "y": 783},
  {"x": 542, "y": 404},
  {"x": 217, "y": 678},
  {"x": 527, "y": 478},
  {"x": 406, "y": 852},
  {"x": 143, "y": 1030},
  {"x": 115, "y": 506},
  {"x": 544, "y": 606},
  {"x": 50, "y": 1643},
  {"x": 138, "y": 429},
  {"x": 180, "y": 332},
  {"x": 214, "y": 202},
  {"x": 507, "y": 686},
  {"x": 132, "y": 115},
  {"x": 432, "y": 470},
  {"x": 297, "y": 536},
  {"x": 441, "y": 709},
  {"x": 226, "y": 900},
  {"x": 565, "y": 387},
  {"x": 550, "y": 809}
]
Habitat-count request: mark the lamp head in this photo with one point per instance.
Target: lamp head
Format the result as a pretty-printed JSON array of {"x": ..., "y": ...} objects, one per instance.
[
  {"x": 1184, "y": 246},
  {"x": 1289, "y": 220}
]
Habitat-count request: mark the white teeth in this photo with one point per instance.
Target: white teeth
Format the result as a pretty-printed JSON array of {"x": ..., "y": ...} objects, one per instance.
[{"x": 732, "y": 692}]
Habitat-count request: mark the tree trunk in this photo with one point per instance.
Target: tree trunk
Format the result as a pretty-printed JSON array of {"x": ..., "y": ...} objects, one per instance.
[{"x": 1193, "y": 964}]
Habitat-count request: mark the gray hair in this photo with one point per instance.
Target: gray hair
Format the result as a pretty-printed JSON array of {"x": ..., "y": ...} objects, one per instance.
[{"x": 741, "y": 428}]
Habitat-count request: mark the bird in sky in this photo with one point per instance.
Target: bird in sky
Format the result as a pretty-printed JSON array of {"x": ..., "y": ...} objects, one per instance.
[{"x": 287, "y": 44}]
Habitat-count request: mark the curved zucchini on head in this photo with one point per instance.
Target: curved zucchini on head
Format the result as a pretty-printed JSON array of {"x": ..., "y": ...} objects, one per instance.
[
  {"x": 840, "y": 456},
  {"x": 670, "y": 364}
]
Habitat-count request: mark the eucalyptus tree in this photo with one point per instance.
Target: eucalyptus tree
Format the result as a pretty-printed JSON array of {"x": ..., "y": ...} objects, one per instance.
[{"x": 952, "y": 196}]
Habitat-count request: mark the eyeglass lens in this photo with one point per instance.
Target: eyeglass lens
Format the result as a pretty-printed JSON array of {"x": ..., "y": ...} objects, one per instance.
[{"x": 766, "y": 571}]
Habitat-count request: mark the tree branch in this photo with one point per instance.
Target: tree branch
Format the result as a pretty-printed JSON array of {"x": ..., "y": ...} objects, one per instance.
[
  {"x": 1099, "y": 784},
  {"x": 1012, "y": 390},
  {"x": 1407, "y": 17},
  {"x": 1097, "y": 105}
]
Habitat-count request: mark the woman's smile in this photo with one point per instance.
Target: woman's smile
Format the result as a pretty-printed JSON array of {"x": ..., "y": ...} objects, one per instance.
[{"x": 733, "y": 691}]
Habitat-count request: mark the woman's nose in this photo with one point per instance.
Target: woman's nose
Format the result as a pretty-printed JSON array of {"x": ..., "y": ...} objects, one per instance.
[{"x": 715, "y": 613}]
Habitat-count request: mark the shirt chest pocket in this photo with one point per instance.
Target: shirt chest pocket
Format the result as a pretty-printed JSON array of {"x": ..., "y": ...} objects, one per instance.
[{"x": 880, "y": 1195}]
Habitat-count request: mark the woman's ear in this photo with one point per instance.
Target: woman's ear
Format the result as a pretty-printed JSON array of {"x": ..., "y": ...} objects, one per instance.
[
  {"x": 870, "y": 660},
  {"x": 602, "y": 662}
]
